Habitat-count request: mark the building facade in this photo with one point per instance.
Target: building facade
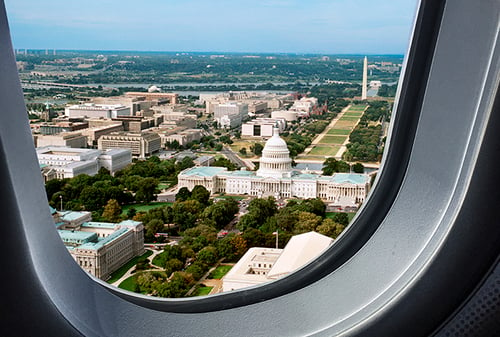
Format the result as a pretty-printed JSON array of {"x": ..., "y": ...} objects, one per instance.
[
  {"x": 262, "y": 127},
  {"x": 140, "y": 144},
  {"x": 99, "y": 248},
  {"x": 261, "y": 265},
  {"x": 91, "y": 110},
  {"x": 64, "y": 162},
  {"x": 276, "y": 178},
  {"x": 231, "y": 114}
]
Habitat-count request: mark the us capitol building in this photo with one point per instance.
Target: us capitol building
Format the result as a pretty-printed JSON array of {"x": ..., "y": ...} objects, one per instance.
[{"x": 277, "y": 178}]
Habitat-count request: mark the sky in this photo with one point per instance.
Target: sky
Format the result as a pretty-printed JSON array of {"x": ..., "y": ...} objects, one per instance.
[{"x": 258, "y": 26}]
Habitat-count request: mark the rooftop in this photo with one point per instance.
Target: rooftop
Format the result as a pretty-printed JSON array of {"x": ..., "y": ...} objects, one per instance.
[
  {"x": 103, "y": 241},
  {"x": 204, "y": 171}
]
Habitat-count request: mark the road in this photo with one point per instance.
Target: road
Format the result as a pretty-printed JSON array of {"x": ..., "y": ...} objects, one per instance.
[{"x": 234, "y": 157}]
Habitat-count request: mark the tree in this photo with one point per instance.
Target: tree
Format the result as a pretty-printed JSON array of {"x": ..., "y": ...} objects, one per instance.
[
  {"x": 201, "y": 194},
  {"x": 207, "y": 255},
  {"x": 131, "y": 212},
  {"x": 112, "y": 211},
  {"x": 221, "y": 213},
  {"x": 152, "y": 227},
  {"x": 147, "y": 190},
  {"x": 183, "y": 194},
  {"x": 243, "y": 151},
  {"x": 341, "y": 218},
  {"x": 330, "y": 228},
  {"x": 332, "y": 165},
  {"x": 358, "y": 168},
  {"x": 257, "y": 148},
  {"x": 307, "y": 222}
]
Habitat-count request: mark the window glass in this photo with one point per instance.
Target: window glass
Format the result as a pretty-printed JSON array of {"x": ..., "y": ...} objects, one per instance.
[{"x": 192, "y": 148}]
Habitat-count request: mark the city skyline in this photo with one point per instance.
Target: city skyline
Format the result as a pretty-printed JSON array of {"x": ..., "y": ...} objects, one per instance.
[{"x": 279, "y": 26}]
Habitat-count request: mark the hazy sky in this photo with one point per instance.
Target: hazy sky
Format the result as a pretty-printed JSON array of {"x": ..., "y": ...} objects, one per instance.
[{"x": 296, "y": 26}]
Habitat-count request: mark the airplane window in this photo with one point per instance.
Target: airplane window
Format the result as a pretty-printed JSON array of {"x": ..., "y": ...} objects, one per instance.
[
  {"x": 137, "y": 239},
  {"x": 401, "y": 258}
]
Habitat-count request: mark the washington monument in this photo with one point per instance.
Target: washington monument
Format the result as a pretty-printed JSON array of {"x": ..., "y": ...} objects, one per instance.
[{"x": 365, "y": 79}]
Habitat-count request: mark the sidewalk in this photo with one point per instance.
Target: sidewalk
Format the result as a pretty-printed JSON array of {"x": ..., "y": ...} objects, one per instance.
[{"x": 129, "y": 272}]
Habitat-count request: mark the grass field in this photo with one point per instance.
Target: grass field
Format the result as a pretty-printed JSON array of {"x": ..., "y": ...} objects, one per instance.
[
  {"x": 128, "y": 284},
  {"x": 339, "y": 132},
  {"x": 123, "y": 269},
  {"x": 351, "y": 119},
  {"x": 332, "y": 140},
  {"x": 203, "y": 291},
  {"x": 325, "y": 150},
  {"x": 144, "y": 207},
  {"x": 342, "y": 124},
  {"x": 331, "y": 215},
  {"x": 219, "y": 272}
]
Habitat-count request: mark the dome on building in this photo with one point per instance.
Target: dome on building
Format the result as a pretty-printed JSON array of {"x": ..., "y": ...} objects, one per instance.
[
  {"x": 275, "y": 161},
  {"x": 153, "y": 88}
]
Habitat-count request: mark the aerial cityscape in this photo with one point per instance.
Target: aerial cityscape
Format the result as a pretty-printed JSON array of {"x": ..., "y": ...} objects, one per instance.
[{"x": 190, "y": 173}]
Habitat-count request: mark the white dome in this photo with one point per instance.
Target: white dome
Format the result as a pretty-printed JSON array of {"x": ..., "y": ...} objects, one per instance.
[{"x": 275, "y": 161}]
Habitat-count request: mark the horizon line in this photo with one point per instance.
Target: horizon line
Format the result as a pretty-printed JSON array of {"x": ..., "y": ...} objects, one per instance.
[{"x": 205, "y": 52}]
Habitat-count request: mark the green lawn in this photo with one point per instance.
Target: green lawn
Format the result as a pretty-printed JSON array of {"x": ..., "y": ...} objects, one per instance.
[
  {"x": 128, "y": 283},
  {"x": 331, "y": 214},
  {"x": 339, "y": 132},
  {"x": 325, "y": 150},
  {"x": 332, "y": 140},
  {"x": 123, "y": 269},
  {"x": 163, "y": 186},
  {"x": 351, "y": 119},
  {"x": 144, "y": 207},
  {"x": 203, "y": 291},
  {"x": 219, "y": 272},
  {"x": 341, "y": 124}
]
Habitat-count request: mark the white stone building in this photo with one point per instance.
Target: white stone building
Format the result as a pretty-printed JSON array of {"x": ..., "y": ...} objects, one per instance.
[
  {"x": 262, "y": 127},
  {"x": 64, "y": 162},
  {"x": 276, "y": 177},
  {"x": 231, "y": 114},
  {"x": 261, "y": 265},
  {"x": 99, "y": 248},
  {"x": 91, "y": 110}
]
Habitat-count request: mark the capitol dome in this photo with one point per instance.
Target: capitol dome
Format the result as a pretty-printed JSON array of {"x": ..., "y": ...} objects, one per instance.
[{"x": 275, "y": 161}]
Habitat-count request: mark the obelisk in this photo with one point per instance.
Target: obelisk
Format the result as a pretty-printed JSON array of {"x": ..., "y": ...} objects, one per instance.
[{"x": 365, "y": 79}]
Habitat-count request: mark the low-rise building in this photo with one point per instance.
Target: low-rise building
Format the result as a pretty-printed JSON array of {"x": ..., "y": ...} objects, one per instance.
[
  {"x": 99, "y": 248},
  {"x": 66, "y": 139},
  {"x": 231, "y": 114},
  {"x": 140, "y": 144},
  {"x": 183, "y": 137},
  {"x": 289, "y": 116},
  {"x": 262, "y": 127},
  {"x": 91, "y": 110},
  {"x": 261, "y": 265},
  {"x": 64, "y": 162}
]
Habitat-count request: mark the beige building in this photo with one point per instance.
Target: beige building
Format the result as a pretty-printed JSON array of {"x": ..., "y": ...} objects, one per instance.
[
  {"x": 94, "y": 133},
  {"x": 66, "y": 139},
  {"x": 99, "y": 248},
  {"x": 261, "y": 265},
  {"x": 141, "y": 144}
]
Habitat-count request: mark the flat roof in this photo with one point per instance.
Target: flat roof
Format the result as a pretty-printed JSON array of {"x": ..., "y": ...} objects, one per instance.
[
  {"x": 76, "y": 236},
  {"x": 72, "y": 215},
  {"x": 103, "y": 241},
  {"x": 204, "y": 171},
  {"x": 106, "y": 225}
]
